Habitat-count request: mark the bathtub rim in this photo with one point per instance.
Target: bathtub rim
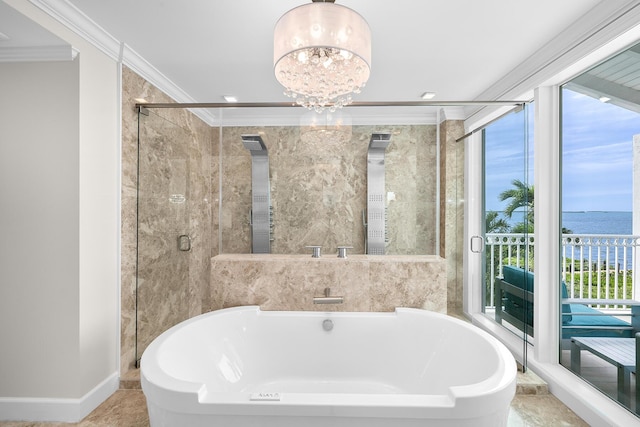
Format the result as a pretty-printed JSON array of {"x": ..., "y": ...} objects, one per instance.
[{"x": 464, "y": 401}]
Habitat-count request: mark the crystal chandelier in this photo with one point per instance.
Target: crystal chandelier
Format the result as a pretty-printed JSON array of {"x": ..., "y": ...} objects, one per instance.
[{"x": 322, "y": 54}]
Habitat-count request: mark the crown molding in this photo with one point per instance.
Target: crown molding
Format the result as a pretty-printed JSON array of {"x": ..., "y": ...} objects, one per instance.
[
  {"x": 600, "y": 25},
  {"x": 75, "y": 20},
  {"x": 37, "y": 53},
  {"x": 358, "y": 116},
  {"x": 147, "y": 71},
  {"x": 452, "y": 113},
  {"x": 607, "y": 21}
]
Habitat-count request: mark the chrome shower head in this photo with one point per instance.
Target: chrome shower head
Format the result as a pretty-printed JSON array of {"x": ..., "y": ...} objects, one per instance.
[
  {"x": 380, "y": 140},
  {"x": 253, "y": 143}
]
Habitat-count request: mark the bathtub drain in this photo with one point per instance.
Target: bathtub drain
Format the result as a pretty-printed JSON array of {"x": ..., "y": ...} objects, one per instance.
[{"x": 327, "y": 325}]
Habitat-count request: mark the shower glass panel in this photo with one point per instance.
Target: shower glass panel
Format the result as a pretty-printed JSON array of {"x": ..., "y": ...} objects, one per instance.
[
  {"x": 318, "y": 178},
  {"x": 194, "y": 195},
  {"x": 164, "y": 240},
  {"x": 508, "y": 224}
]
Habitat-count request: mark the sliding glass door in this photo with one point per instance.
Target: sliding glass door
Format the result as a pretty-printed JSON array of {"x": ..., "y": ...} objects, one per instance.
[{"x": 600, "y": 226}]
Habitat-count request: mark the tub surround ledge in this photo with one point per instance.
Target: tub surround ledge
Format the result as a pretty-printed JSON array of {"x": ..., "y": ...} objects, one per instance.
[{"x": 367, "y": 282}]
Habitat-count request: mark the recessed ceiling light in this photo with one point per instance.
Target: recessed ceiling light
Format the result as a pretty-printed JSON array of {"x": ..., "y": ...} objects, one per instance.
[
  {"x": 604, "y": 99},
  {"x": 230, "y": 98},
  {"x": 428, "y": 95}
]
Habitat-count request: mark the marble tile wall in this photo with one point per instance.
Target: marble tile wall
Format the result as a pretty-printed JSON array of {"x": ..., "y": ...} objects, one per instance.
[
  {"x": 178, "y": 165},
  {"x": 367, "y": 283},
  {"x": 319, "y": 189}
]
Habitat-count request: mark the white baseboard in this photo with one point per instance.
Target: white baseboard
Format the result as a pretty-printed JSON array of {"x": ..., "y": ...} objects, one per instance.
[{"x": 60, "y": 410}]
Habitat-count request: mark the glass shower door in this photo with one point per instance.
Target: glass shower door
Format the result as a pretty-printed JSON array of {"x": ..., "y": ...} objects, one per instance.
[
  {"x": 163, "y": 228},
  {"x": 508, "y": 225}
]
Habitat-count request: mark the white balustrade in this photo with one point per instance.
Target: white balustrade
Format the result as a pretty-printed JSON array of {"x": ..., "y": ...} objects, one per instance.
[{"x": 601, "y": 265}]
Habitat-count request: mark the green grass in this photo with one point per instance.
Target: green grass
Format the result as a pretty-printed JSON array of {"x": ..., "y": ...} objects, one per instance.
[{"x": 614, "y": 291}]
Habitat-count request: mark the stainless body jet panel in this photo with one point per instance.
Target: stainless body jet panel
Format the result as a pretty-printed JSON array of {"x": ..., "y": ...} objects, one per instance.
[
  {"x": 260, "y": 216},
  {"x": 376, "y": 203}
]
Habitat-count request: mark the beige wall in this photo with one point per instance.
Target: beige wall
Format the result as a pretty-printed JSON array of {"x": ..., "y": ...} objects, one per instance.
[
  {"x": 60, "y": 251},
  {"x": 39, "y": 184}
]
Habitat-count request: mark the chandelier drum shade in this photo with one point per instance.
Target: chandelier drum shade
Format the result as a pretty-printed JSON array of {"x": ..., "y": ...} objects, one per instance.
[{"x": 322, "y": 54}]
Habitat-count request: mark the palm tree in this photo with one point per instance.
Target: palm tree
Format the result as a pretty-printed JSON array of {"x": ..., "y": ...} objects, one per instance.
[
  {"x": 494, "y": 224},
  {"x": 521, "y": 196}
]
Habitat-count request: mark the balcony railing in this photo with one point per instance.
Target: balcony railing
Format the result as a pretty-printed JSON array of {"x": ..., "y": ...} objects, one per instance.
[{"x": 593, "y": 266}]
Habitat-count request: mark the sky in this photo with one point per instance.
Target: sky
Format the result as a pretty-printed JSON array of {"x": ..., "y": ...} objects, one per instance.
[
  {"x": 597, "y": 157},
  {"x": 505, "y": 156}
]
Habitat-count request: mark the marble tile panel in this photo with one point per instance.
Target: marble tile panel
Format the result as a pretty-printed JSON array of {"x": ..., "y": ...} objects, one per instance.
[
  {"x": 541, "y": 410},
  {"x": 417, "y": 284},
  {"x": 367, "y": 283},
  {"x": 318, "y": 188},
  {"x": 176, "y": 190}
]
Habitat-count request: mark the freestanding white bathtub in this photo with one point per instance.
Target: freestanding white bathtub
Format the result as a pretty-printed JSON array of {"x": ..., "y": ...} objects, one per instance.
[{"x": 247, "y": 367}]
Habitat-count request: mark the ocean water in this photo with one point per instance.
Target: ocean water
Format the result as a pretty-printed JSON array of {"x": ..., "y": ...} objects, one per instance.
[
  {"x": 598, "y": 222},
  {"x": 602, "y": 223}
]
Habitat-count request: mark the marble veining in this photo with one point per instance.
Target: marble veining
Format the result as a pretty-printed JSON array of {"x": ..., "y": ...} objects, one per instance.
[
  {"x": 319, "y": 189},
  {"x": 174, "y": 195},
  {"x": 367, "y": 283}
]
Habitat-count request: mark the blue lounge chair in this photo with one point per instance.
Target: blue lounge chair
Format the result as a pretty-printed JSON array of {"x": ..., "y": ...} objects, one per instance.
[{"x": 514, "y": 304}]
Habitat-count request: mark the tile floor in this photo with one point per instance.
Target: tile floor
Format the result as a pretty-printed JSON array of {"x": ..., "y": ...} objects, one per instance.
[{"x": 128, "y": 408}]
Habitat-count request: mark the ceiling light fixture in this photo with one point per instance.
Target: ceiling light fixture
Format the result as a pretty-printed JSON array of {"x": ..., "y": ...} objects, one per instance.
[
  {"x": 428, "y": 95},
  {"x": 230, "y": 98},
  {"x": 604, "y": 99},
  {"x": 322, "y": 54}
]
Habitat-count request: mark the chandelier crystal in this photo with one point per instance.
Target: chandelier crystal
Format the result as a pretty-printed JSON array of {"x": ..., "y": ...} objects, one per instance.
[{"x": 322, "y": 54}]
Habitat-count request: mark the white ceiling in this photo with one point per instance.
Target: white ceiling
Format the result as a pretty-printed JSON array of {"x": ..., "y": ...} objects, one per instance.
[
  {"x": 214, "y": 48},
  {"x": 208, "y": 48}
]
